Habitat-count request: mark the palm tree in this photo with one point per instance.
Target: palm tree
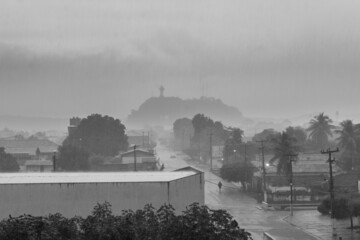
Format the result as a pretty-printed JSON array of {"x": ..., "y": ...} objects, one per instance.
[
  {"x": 348, "y": 139},
  {"x": 320, "y": 129},
  {"x": 283, "y": 146}
]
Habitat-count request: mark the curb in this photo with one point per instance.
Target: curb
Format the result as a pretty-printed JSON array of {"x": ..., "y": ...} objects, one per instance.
[{"x": 300, "y": 228}]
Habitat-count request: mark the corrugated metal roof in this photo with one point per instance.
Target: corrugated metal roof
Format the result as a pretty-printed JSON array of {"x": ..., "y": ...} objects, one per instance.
[{"x": 91, "y": 177}]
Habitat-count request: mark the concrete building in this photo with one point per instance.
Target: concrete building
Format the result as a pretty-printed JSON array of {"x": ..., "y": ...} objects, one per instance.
[{"x": 77, "y": 193}]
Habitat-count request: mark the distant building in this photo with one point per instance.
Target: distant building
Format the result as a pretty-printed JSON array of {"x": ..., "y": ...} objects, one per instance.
[
  {"x": 74, "y": 123},
  {"x": 73, "y": 194},
  {"x": 38, "y": 166},
  {"x": 310, "y": 176},
  {"x": 144, "y": 160},
  {"x": 23, "y": 149}
]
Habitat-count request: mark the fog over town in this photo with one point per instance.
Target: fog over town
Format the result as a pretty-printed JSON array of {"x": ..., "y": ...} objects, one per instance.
[{"x": 237, "y": 105}]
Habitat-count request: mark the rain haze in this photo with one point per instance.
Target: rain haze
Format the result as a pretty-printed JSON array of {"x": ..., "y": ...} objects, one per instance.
[
  {"x": 191, "y": 106},
  {"x": 275, "y": 59}
]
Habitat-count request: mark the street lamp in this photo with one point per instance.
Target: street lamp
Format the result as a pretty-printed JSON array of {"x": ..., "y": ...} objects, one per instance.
[{"x": 234, "y": 155}]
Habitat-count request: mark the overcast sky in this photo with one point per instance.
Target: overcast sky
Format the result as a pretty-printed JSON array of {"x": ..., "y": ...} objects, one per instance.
[{"x": 269, "y": 58}]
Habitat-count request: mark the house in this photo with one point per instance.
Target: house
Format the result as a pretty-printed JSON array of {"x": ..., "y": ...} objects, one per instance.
[
  {"x": 24, "y": 149},
  {"x": 139, "y": 160},
  {"x": 77, "y": 193},
  {"x": 310, "y": 176},
  {"x": 39, "y": 166}
]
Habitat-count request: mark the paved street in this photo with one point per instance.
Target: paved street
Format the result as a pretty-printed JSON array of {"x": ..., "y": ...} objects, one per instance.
[
  {"x": 316, "y": 224},
  {"x": 244, "y": 208}
]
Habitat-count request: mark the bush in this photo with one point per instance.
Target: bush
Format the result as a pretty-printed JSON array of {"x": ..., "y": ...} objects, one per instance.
[
  {"x": 196, "y": 222},
  {"x": 341, "y": 207}
]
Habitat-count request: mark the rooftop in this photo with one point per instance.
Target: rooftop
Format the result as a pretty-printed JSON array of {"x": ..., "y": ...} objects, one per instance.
[{"x": 91, "y": 177}]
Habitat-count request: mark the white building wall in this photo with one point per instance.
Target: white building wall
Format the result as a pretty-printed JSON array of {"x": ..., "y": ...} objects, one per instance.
[
  {"x": 186, "y": 191},
  {"x": 80, "y": 198}
]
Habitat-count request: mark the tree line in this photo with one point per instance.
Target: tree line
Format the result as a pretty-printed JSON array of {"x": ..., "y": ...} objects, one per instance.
[
  {"x": 237, "y": 155},
  {"x": 196, "y": 222}
]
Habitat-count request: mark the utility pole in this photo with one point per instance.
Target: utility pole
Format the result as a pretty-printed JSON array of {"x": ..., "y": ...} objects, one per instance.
[
  {"x": 245, "y": 159},
  {"x": 135, "y": 158},
  {"x": 331, "y": 186},
  {"x": 54, "y": 161},
  {"x": 246, "y": 166},
  {"x": 183, "y": 140},
  {"x": 143, "y": 139},
  {"x": 211, "y": 152},
  {"x": 263, "y": 167},
  {"x": 291, "y": 181}
]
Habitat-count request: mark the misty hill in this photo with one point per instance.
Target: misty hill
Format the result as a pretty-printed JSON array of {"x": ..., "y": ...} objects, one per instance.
[{"x": 165, "y": 110}]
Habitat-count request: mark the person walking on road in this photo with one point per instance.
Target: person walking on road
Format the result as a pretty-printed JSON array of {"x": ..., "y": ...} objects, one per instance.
[{"x": 219, "y": 185}]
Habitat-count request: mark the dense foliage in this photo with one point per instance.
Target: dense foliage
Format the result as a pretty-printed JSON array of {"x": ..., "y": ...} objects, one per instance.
[
  {"x": 206, "y": 131},
  {"x": 183, "y": 132},
  {"x": 72, "y": 158},
  {"x": 101, "y": 135},
  {"x": 196, "y": 222},
  {"x": 7, "y": 162},
  {"x": 320, "y": 130},
  {"x": 237, "y": 172},
  {"x": 343, "y": 206},
  {"x": 233, "y": 147},
  {"x": 284, "y": 145},
  {"x": 349, "y": 140}
]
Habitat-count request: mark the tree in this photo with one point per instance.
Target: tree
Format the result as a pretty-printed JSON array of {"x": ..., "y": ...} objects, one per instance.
[
  {"x": 283, "y": 146},
  {"x": 101, "y": 135},
  {"x": 183, "y": 130},
  {"x": 348, "y": 140},
  {"x": 266, "y": 134},
  {"x": 233, "y": 146},
  {"x": 7, "y": 162},
  {"x": 73, "y": 158},
  {"x": 298, "y": 133},
  {"x": 237, "y": 172},
  {"x": 320, "y": 130},
  {"x": 200, "y": 123},
  {"x": 204, "y": 130}
]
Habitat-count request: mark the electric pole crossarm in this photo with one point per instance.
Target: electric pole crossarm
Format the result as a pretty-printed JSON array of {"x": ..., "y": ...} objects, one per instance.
[{"x": 331, "y": 185}]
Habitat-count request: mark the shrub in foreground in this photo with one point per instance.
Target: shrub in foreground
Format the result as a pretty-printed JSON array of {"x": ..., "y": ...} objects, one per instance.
[{"x": 196, "y": 222}]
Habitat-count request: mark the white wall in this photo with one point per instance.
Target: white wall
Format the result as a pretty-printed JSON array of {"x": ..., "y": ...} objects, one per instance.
[
  {"x": 187, "y": 190},
  {"x": 80, "y": 198}
]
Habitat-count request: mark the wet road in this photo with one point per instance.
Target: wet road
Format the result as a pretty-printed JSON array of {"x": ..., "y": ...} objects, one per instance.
[{"x": 243, "y": 208}]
